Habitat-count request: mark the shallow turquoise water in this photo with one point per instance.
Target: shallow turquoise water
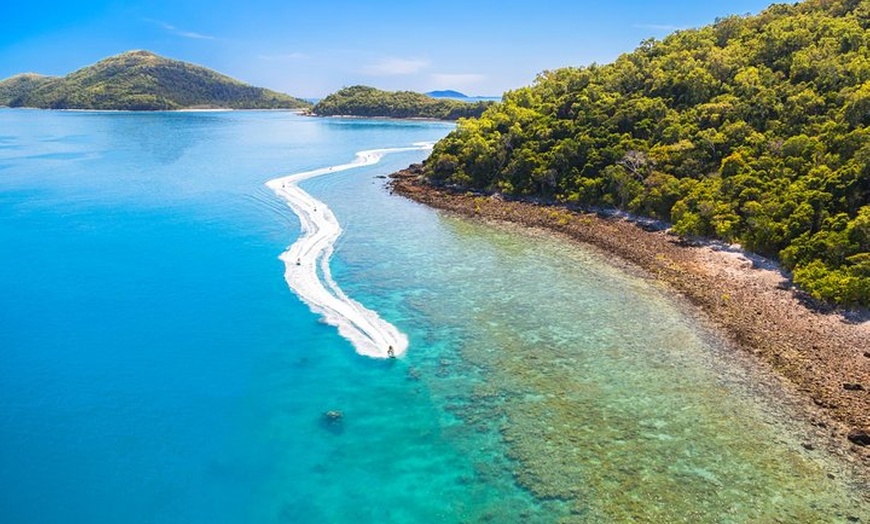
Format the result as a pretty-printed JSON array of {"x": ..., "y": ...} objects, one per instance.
[{"x": 157, "y": 369}]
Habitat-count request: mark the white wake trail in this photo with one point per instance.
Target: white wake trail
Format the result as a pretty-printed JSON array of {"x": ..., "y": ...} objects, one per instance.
[{"x": 369, "y": 333}]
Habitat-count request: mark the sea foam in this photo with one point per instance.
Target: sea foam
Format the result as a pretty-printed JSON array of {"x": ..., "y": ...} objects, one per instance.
[{"x": 365, "y": 329}]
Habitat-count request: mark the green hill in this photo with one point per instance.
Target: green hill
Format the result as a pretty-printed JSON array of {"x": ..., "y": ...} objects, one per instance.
[
  {"x": 140, "y": 80},
  {"x": 371, "y": 102},
  {"x": 751, "y": 130}
]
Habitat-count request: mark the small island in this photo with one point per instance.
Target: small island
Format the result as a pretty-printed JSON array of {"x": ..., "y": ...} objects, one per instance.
[
  {"x": 462, "y": 97},
  {"x": 140, "y": 81},
  {"x": 367, "y": 101},
  {"x": 448, "y": 93}
]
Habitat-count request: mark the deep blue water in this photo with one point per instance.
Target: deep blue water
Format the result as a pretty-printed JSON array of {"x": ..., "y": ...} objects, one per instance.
[{"x": 157, "y": 369}]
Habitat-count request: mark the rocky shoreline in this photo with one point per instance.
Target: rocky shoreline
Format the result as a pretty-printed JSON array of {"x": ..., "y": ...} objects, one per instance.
[{"x": 823, "y": 355}]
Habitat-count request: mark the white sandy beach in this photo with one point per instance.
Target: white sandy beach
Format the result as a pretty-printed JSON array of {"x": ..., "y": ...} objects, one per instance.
[{"x": 370, "y": 334}]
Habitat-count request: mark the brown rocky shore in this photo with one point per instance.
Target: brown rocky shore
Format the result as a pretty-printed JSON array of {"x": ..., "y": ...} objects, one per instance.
[{"x": 823, "y": 355}]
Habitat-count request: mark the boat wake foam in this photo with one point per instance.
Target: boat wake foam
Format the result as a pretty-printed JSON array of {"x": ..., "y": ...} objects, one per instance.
[{"x": 370, "y": 334}]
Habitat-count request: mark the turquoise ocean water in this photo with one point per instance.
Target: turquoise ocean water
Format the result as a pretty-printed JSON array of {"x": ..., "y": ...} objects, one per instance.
[{"x": 157, "y": 369}]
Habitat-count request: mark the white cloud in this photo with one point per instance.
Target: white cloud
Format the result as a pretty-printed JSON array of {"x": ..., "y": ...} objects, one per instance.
[
  {"x": 192, "y": 34},
  {"x": 456, "y": 80},
  {"x": 395, "y": 67},
  {"x": 180, "y": 32}
]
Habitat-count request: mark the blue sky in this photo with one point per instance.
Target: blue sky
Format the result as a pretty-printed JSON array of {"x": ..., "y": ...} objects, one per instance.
[{"x": 309, "y": 49}]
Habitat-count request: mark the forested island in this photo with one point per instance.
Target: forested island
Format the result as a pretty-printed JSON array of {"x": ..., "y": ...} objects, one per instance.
[
  {"x": 752, "y": 130},
  {"x": 371, "y": 102},
  {"x": 140, "y": 81}
]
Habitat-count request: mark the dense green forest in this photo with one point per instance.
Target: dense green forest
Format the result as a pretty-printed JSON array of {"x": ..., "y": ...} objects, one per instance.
[
  {"x": 368, "y": 101},
  {"x": 140, "y": 80},
  {"x": 750, "y": 130}
]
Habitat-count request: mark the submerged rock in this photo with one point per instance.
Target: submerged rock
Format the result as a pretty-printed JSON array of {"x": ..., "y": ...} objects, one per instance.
[
  {"x": 333, "y": 421},
  {"x": 333, "y": 416}
]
